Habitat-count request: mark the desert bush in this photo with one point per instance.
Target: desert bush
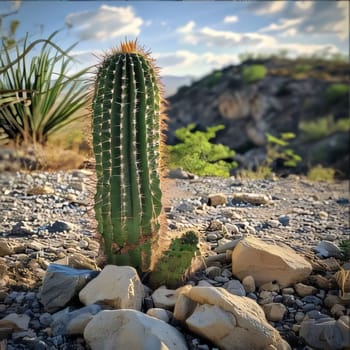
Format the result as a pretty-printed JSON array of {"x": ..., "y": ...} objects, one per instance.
[
  {"x": 213, "y": 78},
  {"x": 254, "y": 73},
  {"x": 322, "y": 127},
  {"x": 198, "y": 155},
  {"x": 277, "y": 148},
  {"x": 44, "y": 95},
  {"x": 320, "y": 173},
  {"x": 337, "y": 92},
  {"x": 344, "y": 246}
]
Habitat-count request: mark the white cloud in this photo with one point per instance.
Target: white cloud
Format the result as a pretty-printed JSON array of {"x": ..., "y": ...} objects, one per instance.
[
  {"x": 312, "y": 17},
  {"x": 182, "y": 62},
  {"x": 218, "y": 38},
  {"x": 230, "y": 19},
  {"x": 282, "y": 24},
  {"x": 187, "y": 28},
  {"x": 291, "y": 32},
  {"x": 303, "y": 5},
  {"x": 268, "y": 7},
  {"x": 105, "y": 23}
]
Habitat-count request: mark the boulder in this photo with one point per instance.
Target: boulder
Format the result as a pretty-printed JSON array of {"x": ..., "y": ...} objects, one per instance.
[
  {"x": 61, "y": 284},
  {"x": 267, "y": 262},
  {"x": 131, "y": 329},
  {"x": 116, "y": 286},
  {"x": 229, "y": 321}
]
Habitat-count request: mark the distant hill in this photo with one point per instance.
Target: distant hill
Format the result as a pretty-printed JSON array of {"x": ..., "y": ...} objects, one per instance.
[
  {"x": 172, "y": 83},
  {"x": 308, "y": 97}
]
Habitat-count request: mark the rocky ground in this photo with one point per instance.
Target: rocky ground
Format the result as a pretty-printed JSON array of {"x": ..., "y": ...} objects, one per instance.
[{"x": 48, "y": 218}]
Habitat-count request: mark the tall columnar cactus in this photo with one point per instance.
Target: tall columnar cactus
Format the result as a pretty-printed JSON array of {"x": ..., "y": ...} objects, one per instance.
[{"x": 127, "y": 142}]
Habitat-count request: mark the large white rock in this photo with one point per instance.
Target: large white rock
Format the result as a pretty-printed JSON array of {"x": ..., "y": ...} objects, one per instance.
[
  {"x": 131, "y": 329},
  {"x": 117, "y": 286},
  {"x": 268, "y": 262},
  {"x": 229, "y": 321}
]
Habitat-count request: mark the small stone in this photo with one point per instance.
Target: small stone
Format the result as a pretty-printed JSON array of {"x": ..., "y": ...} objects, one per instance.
[
  {"x": 323, "y": 215},
  {"x": 235, "y": 287},
  {"x": 284, "y": 220},
  {"x": 304, "y": 289},
  {"x": 289, "y": 290},
  {"x": 164, "y": 298},
  {"x": 270, "y": 286},
  {"x": 40, "y": 190},
  {"x": 327, "y": 249},
  {"x": 22, "y": 229},
  {"x": 60, "y": 226},
  {"x": 338, "y": 310},
  {"x": 213, "y": 271},
  {"x": 160, "y": 314},
  {"x": 251, "y": 198},
  {"x": 20, "y": 321},
  {"x": 249, "y": 284},
  {"x": 299, "y": 316},
  {"x": 5, "y": 247},
  {"x": 45, "y": 319},
  {"x": 217, "y": 199},
  {"x": 274, "y": 311}
]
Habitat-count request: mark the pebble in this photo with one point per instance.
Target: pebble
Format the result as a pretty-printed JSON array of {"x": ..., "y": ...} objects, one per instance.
[{"x": 54, "y": 223}]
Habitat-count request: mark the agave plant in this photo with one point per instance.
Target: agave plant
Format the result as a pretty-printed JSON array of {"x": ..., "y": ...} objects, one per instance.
[{"x": 37, "y": 95}]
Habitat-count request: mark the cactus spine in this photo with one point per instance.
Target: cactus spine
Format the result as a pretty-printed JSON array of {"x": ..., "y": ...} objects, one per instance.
[{"x": 127, "y": 140}]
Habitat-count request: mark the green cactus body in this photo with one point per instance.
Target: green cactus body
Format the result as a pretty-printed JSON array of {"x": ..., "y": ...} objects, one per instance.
[{"x": 127, "y": 137}]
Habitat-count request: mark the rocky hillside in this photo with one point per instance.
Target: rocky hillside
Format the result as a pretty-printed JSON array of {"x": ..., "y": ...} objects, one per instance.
[{"x": 308, "y": 98}]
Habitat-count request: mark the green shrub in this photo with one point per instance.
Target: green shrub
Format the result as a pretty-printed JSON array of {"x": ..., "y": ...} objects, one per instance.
[
  {"x": 337, "y": 92},
  {"x": 213, "y": 78},
  {"x": 44, "y": 95},
  {"x": 254, "y": 73},
  {"x": 322, "y": 127},
  {"x": 197, "y": 155},
  {"x": 277, "y": 148},
  {"x": 320, "y": 173},
  {"x": 345, "y": 249},
  {"x": 303, "y": 68}
]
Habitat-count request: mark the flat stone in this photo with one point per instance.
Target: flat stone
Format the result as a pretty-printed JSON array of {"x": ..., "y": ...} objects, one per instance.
[
  {"x": 6, "y": 247},
  {"x": 268, "y": 262},
  {"x": 328, "y": 249},
  {"x": 20, "y": 321},
  {"x": 164, "y": 298},
  {"x": 235, "y": 287},
  {"x": 216, "y": 199},
  {"x": 304, "y": 289},
  {"x": 68, "y": 322},
  {"x": 252, "y": 198},
  {"x": 61, "y": 284},
  {"x": 326, "y": 333}
]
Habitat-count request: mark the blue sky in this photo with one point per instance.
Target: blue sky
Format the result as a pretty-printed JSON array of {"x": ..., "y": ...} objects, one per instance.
[{"x": 189, "y": 37}]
